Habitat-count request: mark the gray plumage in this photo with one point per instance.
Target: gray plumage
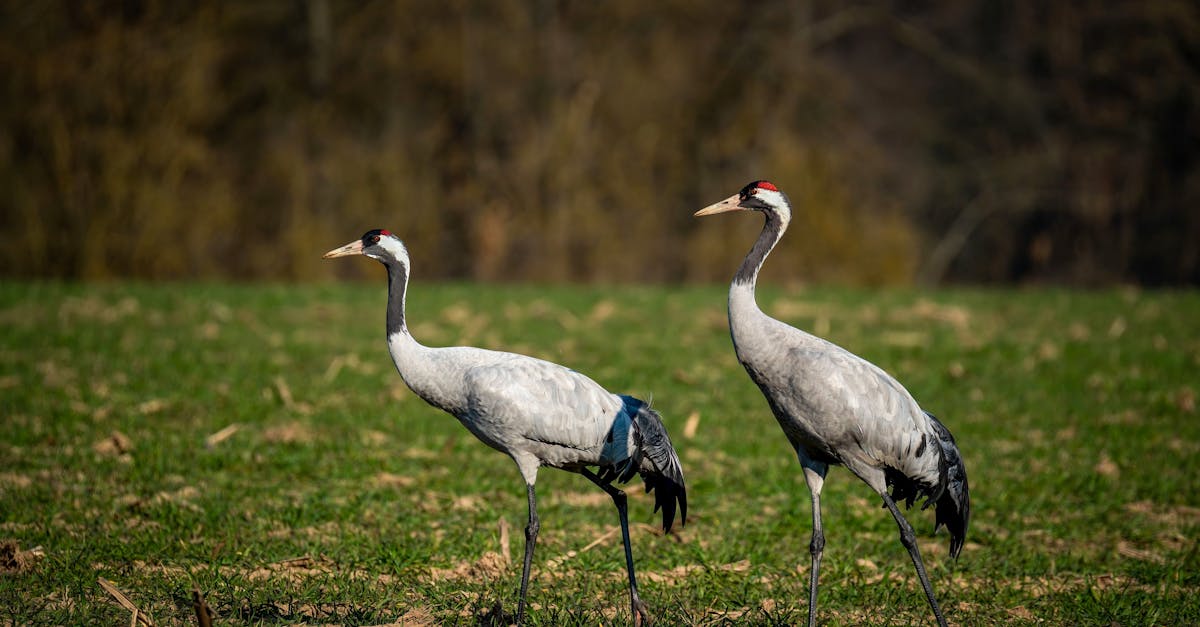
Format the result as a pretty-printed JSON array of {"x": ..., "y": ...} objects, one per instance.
[
  {"x": 537, "y": 412},
  {"x": 837, "y": 408}
]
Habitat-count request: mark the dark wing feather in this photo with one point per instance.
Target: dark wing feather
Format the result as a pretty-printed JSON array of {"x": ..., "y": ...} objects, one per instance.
[{"x": 663, "y": 473}]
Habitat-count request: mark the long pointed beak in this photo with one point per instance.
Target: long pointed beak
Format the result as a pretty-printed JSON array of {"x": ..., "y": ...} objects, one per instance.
[
  {"x": 729, "y": 204},
  {"x": 353, "y": 248}
]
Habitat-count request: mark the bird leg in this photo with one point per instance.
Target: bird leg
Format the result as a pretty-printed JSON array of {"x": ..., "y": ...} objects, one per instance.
[
  {"x": 814, "y": 474},
  {"x": 815, "y": 548},
  {"x": 909, "y": 539},
  {"x": 641, "y": 614},
  {"x": 531, "y": 532}
]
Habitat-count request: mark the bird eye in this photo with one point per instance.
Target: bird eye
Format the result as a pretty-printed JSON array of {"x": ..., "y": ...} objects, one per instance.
[{"x": 375, "y": 239}]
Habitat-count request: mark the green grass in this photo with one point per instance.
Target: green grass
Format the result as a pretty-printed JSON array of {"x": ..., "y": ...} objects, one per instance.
[{"x": 343, "y": 498}]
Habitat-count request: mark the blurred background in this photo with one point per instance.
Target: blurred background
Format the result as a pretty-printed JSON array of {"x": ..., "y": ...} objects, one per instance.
[{"x": 974, "y": 141}]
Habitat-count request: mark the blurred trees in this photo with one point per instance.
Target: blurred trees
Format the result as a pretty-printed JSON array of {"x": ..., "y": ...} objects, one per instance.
[{"x": 545, "y": 140}]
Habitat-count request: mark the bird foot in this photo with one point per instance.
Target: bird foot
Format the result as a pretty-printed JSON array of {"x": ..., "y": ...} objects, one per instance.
[
  {"x": 641, "y": 614},
  {"x": 497, "y": 617}
]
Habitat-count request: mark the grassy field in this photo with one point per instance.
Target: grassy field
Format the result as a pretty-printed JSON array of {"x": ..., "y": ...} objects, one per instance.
[{"x": 255, "y": 443}]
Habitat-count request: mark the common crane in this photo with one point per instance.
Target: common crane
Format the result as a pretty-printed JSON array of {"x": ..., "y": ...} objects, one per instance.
[
  {"x": 838, "y": 408},
  {"x": 536, "y": 412}
]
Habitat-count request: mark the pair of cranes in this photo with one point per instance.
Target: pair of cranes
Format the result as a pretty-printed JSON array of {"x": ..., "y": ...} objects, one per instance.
[{"x": 834, "y": 407}]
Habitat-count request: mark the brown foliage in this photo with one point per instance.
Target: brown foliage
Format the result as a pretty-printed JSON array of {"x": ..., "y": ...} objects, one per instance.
[{"x": 572, "y": 141}]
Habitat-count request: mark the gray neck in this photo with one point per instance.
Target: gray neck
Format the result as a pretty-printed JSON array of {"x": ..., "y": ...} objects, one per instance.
[
  {"x": 747, "y": 274},
  {"x": 397, "y": 288},
  {"x": 425, "y": 376},
  {"x": 747, "y": 323}
]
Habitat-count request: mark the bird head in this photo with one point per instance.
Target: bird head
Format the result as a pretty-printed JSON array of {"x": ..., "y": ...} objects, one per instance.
[
  {"x": 757, "y": 196},
  {"x": 378, "y": 244}
]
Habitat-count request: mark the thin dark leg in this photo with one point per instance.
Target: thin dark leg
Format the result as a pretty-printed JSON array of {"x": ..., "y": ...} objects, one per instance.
[
  {"x": 641, "y": 615},
  {"x": 816, "y": 548},
  {"x": 814, "y": 475},
  {"x": 909, "y": 540},
  {"x": 531, "y": 532}
]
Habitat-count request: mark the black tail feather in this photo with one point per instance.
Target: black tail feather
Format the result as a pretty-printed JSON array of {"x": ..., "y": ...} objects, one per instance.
[
  {"x": 950, "y": 496},
  {"x": 664, "y": 474},
  {"x": 954, "y": 505}
]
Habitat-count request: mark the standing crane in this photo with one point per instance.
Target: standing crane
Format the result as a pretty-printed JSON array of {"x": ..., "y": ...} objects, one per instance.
[
  {"x": 536, "y": 412},
  {"x": 838, "y": 408}
]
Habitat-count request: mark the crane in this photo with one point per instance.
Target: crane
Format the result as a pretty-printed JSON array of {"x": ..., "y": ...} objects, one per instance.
[
  {"x": 838, "y": 408},
  {"x": 536, "y": 412}
]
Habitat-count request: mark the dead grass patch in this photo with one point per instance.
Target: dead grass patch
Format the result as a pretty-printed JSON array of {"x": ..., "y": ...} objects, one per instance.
[
  {"x": 673, "y": 576},
  {"x": 466, "y": 503},
  {"x": 1169, "y": 515},
  {"x": 325, "y": 533},
  {"x": 390, "y": 480},
  {"x": 163, "y": 569},
  {"x": 220, "y": 436},
  {"x": 55, "y": 375},
  {"x": 116, "y": 444},
  {"x": 321, "y": 611},
  {"x": 14, "y": 480},
  {"x": 1126, "y": 548},
  {"x": 1107, "y": 467},
  {"x": 374, "y": 438},
  {"x": 490, "y": 565},
  {"x": 285, "y": 396},
  {"x": 14, "y": 560},
  {"x": 293, "y": 570},
  {"x": 1063, "y": 583},
  {"x": 289, "y": 433},
  {"x": 1021, "y": 613},
  {"x": 183, "y": 497},
  {"x": 416, "y": 617},
  {"x": 152, "y": 406}
]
